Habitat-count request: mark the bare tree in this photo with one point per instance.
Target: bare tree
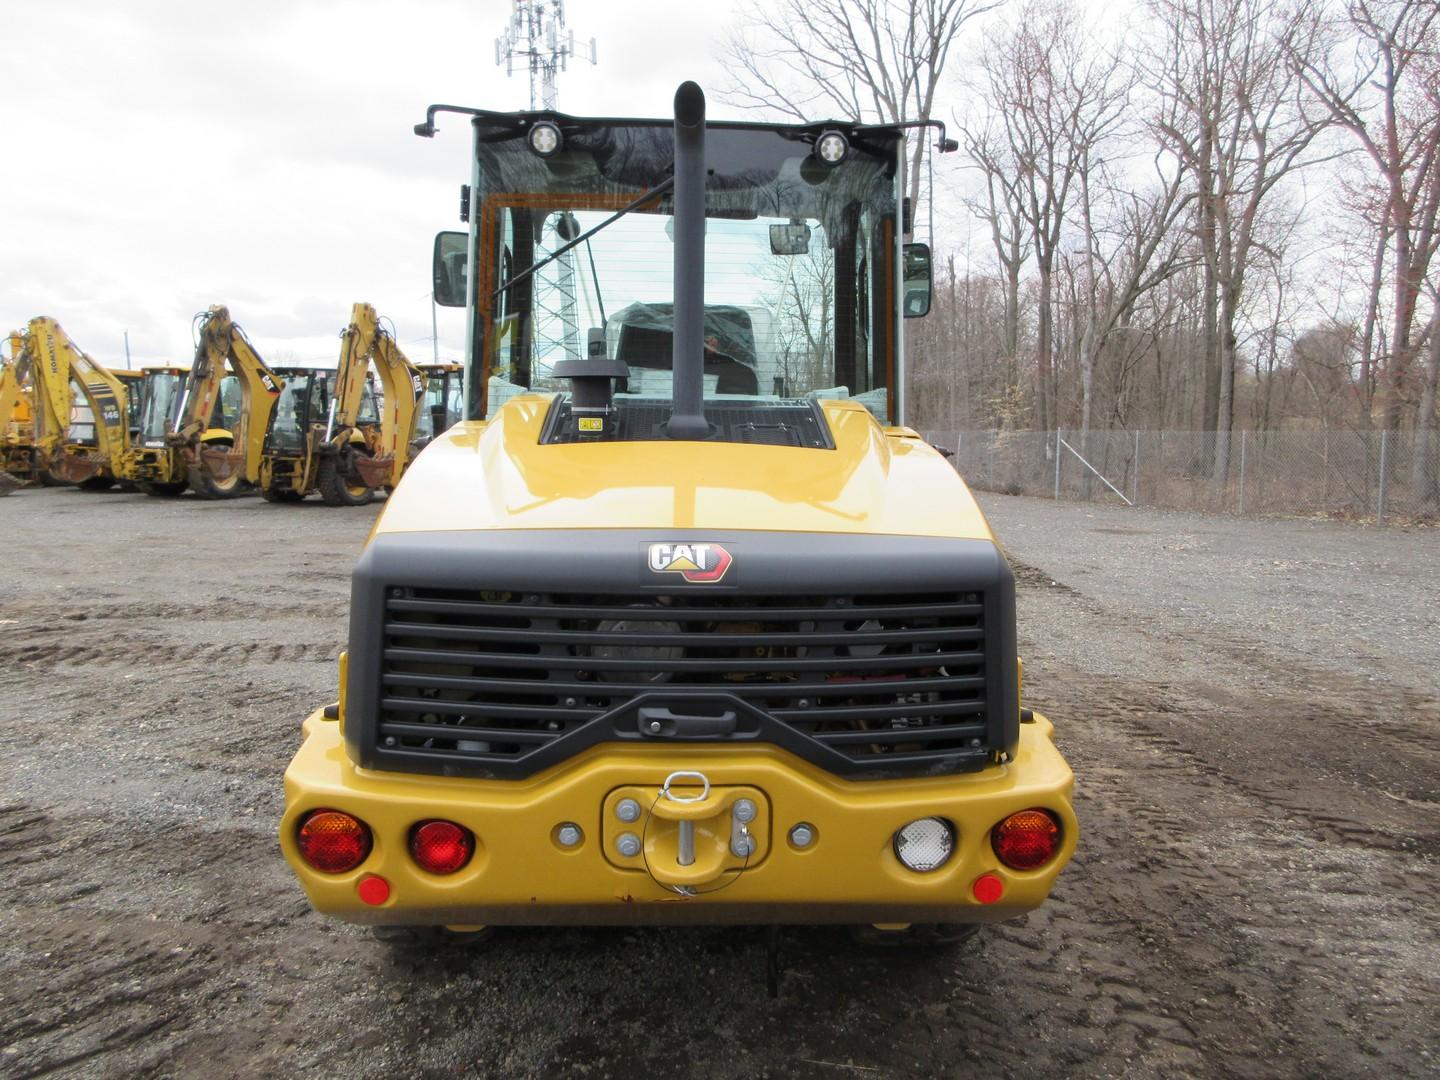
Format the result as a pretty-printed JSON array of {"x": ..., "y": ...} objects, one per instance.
[
  {"x": 1242, "y": 124},
  {"x": 1002, "y": 209},
  {"x": 879, "y": 60},
  {"x": 1056, "y": 97},
  {"x": 1131, "y": 245},
  {"x": 1381, "y": 81}
]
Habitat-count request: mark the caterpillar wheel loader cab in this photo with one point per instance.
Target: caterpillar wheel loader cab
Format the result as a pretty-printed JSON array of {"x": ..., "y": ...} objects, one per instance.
[
  {"x": 80, "y": 426},
  {"x": 682, "y": 625},
  {"x": 444, "y": 405},
  {"x": 331, "y": 435}
]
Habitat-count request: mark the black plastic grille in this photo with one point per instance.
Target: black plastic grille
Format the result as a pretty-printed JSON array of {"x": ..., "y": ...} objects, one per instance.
[
  {"x": 889, "y": 681},
  {"x": 779, "y": 423}
]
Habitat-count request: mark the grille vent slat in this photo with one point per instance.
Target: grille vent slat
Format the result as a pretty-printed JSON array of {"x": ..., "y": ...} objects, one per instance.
[{"x": 893, "y": 681}]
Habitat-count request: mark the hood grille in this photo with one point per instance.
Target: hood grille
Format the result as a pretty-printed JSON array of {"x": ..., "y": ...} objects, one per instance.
[{"x": 882, "y": 683}]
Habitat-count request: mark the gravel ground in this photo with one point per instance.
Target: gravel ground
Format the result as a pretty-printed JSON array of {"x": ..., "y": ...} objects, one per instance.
[{"x": 1251, "y": 709}]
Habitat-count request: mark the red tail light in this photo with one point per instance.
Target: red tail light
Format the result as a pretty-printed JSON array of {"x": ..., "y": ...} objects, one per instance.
[
  {"x": 441, "y": 847},
  {"x": 333, "y": 842},
  {"x": 1027, "y": 840}
]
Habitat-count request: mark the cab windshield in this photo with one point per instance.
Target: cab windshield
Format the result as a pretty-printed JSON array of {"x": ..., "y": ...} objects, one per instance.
[
  {"x": 160, "y": 400},
  {"x": 798, "y": 257}
]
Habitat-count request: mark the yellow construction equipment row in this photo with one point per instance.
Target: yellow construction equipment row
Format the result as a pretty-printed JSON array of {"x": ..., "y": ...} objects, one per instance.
[{"x": 228, "y": 423}]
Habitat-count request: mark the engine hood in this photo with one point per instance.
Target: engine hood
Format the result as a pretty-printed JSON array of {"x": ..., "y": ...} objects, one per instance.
[{"x": 496, "y": 475}]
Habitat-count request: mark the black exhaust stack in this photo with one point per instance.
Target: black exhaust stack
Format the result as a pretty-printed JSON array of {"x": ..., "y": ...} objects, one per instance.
[{"x": 687, "y": 420}]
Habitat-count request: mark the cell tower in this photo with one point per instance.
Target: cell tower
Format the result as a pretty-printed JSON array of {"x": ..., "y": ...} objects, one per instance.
[{"x": 537, "y": 37}]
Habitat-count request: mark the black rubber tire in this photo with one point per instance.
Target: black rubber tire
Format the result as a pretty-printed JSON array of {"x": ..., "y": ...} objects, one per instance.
[
  {"x": 163, "y": 490},
  {"x": 271, "y": 496},
  {"x": 916, "y": 935},
  {"x": 129, "y": 485},
  {"x": 335, "y": 487},
  {"x": 97, "y": 483},
  {"x": 431, "y": 938}
]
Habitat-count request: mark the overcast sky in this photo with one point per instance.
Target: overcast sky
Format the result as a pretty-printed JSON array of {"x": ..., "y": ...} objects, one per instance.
[{"x": 160, "y": 156}]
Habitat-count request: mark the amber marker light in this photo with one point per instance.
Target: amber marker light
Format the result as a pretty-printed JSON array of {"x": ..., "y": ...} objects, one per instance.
[
  {"x": 1027, "y": 840},
  {"x": 333, "y": 842},
  {"x": 441, "y": 847}
]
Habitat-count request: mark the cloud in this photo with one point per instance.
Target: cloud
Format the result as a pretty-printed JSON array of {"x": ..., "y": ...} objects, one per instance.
[{"x": 261, "y": 156}]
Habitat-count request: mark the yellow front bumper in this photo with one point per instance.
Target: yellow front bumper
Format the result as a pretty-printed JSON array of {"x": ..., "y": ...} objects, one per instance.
[{"x": 520, "y": 874}]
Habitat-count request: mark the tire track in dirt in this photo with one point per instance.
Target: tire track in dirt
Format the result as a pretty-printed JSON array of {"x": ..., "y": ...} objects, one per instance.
[{"x": 131, "y": 653}]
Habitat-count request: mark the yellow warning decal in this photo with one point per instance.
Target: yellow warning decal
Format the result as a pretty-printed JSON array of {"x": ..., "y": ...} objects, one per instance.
[{"x": 591, "y": 423}]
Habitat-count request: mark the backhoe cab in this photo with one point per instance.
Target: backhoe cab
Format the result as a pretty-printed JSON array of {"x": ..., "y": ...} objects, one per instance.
[
  {"x": 444, "y": 405},
  {"x": 329, "y": 434},
  {"x": 682, "y": 625}
]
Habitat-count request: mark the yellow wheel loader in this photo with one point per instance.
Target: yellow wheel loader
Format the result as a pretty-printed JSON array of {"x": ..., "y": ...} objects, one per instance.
[
  {"x": 80, "y": 428},
  {"x": 330, "y": 436},
  {"x": 682, "y": 625},
  {"x": 205, "y": 428}
]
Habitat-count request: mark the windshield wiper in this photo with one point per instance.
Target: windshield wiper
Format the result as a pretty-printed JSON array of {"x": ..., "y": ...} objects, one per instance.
[{"x": 659, "y": 189}]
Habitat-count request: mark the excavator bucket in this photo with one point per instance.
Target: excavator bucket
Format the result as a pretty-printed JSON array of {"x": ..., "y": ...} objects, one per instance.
[
  {"x": 375, "y": 471},
  {"x": 221, "y": 463},
  {"x": 77, "y": 468}
]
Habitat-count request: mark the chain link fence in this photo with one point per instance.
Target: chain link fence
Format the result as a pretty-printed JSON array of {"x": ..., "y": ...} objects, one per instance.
[{"x": 1377, "y": 475}]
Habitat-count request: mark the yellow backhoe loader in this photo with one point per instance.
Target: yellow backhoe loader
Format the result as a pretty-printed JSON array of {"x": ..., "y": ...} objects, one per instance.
[
  {"x": 328, "y": 435},
  {"x": 79, "y": 410},
  {"x": 206, "y": 428},
  {"x": 154, "y": 468},
  {"x": 17, "y": 414},
  {"x": 134, "y": 383},
  {"x": 444, "y": 404}
]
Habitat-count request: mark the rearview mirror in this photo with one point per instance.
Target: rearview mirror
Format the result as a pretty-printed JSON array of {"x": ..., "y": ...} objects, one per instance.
[
  {"x": 448, "y": 273},
  {"x": 792, "y": 239},
  {"x": 916, "y": 292}
]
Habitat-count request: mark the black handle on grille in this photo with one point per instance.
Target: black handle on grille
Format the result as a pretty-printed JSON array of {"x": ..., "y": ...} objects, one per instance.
[{"x": 663, "y": 723}]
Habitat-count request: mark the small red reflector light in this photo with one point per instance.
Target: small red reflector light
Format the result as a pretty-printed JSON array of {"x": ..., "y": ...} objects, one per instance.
[
  {"x": 1027, "y": 840},
  {"x": 333, "y": 842},
  {"x": 988, "y": 888},
  {"x": 373, "y": 890},
  {"x": 441, "y": 847}
]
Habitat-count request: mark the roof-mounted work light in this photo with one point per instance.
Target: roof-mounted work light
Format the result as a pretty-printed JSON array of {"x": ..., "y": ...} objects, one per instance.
[
  {"x": 545, "y": 138},
  {"x": 831, "y": 147}
]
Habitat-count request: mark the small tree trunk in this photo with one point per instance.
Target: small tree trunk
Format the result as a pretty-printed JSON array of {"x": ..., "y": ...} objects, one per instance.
[
  {"x": 1425, "y": 468},
  {"x": 1044, "y": 334},
  {"x": 1225, "y": 412}
]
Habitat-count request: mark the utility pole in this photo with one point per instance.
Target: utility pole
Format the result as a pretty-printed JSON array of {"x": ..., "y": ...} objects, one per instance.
[
  {"x": 434, "y": 330},
  {"x": 127, "y": 350},
  {"x": 538, "y": 38}
]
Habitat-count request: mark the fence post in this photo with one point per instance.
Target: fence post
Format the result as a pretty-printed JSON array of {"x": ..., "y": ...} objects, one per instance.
[
  {"x": 1057, "y": 464},
  {"x": 1135, "y": 479},
  {"x": 1384, "y": 475},
  {"x": 1242, "y": 470}
]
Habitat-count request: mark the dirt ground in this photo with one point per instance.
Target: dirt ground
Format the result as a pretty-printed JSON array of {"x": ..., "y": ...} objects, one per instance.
[{"x": 1252, "y": 710}]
